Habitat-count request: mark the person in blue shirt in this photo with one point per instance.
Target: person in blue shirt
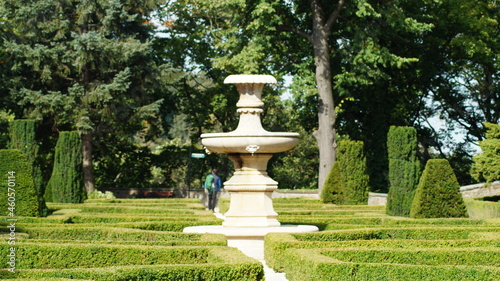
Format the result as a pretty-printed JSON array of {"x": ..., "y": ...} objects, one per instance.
[{"x": 212, "y": 186}]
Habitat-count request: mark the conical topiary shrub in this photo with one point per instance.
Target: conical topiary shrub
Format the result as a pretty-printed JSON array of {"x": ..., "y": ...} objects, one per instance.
[
  {"x": 333, "y": 191},
  {"x": 18, "y": 194},
  {"x": 353, "y": 172},
  {"x": 66, "y": 183},
  {"x": 438, "y": 193},
  {"x": 22, "y": 135},
  {"x": 404, "y": 169}
]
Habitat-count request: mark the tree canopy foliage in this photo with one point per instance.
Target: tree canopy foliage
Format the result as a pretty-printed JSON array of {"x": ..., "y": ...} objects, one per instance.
[
  {"x": 123, "y": 72},
  {"x": 85, "y": 65},
  {"x": 486, "y": 165}
]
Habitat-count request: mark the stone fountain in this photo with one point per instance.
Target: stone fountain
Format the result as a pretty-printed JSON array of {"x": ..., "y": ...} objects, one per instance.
[{"x": 251, "y": 214}]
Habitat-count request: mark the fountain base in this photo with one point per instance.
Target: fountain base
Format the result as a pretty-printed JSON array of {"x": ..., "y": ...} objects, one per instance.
[
  {"x": 249, "y": 240},
  {"x": 251, "y": 209}
]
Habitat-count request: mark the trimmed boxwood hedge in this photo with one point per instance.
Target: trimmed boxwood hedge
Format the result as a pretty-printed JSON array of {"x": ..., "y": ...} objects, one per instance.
[
  {"x": 15, "y": 173},
  {"x": 276, "y": 244},
  {"x": 179, "y": 263},
  {"x": 117, "y": 235},
  {"x": 249, "y": 271},
  {"x": 46, "y": 255},
  {"x": 404, "y": 169},
  {"x": 66, "y": 182},
  {"x": 313, "y": 264},
  {"x": 430, "y": 256}
]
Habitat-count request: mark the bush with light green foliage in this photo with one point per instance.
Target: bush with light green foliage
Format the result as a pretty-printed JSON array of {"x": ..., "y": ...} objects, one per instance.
[
  {"x": 438, "y": 193},
  {"x": 486, "y": 165},
  {"x": 96, "y": 194},
  {"x": 479, "y": 209}
]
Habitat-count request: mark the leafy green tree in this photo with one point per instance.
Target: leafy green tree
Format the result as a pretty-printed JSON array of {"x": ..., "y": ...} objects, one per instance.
[
  {"x": 486, "y": 165},
  {"x": 86, "y": 65},
  {"x": 404, "y": 169},
  {"x": 313, "y": 37},
  {"x": 438, "y": 193},
  {"x": 460, "y": 60},
  {"x": 297, "y": 169},
  {"x": 467, "y": 89},
  {"x": 66, "y": 183}
]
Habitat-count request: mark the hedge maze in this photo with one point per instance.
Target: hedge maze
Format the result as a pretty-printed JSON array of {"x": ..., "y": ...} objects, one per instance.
[
  {"x": 363, "y": 243},
  {"x": 142, "y": 239},
  {"x": 139, "y": 239}
]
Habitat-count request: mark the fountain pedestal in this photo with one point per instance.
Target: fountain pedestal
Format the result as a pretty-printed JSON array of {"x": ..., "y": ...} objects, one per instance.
[
  {"x": 251, "y": 191},
  {"x": 251, "y": 214}
]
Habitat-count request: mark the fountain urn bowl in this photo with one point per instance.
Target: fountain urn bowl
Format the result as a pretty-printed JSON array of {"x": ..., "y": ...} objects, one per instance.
[{"x": 250, "y": 147}]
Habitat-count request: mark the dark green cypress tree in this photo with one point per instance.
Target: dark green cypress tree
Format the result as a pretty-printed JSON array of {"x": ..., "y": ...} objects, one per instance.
[
  {"x": 333, "y": 190},
  {"x": 438, "y": 193},
  {"x": 66, "y": 182},
  {"x": 353, "y": 172},
  {"x": 23, "y": 137},
  {"x": 17, "y": 185},
  {"x": 404, "y": 169}
]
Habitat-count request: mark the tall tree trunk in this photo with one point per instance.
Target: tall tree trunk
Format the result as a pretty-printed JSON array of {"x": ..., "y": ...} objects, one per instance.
[
  {"x": 326, "y": 133},
  {"x": 88, "y": 169}
]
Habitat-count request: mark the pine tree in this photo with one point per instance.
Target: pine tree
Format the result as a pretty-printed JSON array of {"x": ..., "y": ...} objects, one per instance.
[
  {"x": 66, "y": 183},
  {"x": 23, "y": 137},
  {"x": 353, "y": 173},
  {"x": 87, "y": 65},
  {"x": 404, "y": 169},
  {"x": 438, "y": 193}
]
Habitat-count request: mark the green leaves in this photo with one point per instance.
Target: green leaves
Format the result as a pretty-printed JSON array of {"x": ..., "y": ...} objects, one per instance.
[{"x": 486, "y": 165}]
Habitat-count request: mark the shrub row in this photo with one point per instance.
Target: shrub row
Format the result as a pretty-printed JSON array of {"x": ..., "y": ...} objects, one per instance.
[
  {"x": 46, "y": 255},
  {"x": 277, "y": 244},
  {"x": 90, "y": 242},
  {"x": 116, "y": 218},
  {"x": 134, "y": 210},
  {"x": 482, "y": 209},
  {"x": 315, "y": 264},
  {"x": 136, "y": 202},
  {"x": 175, "y": 226},
  {"x": 121, "y": 234},
  {"x": 201, "y": 272},
  {"x": 179, "y": 263},
  {"x": 433, "y": 256},
  {"x": 332, "y": 223}
]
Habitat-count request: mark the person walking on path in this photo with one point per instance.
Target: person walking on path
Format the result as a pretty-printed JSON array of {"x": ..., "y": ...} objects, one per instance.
[{"x": 212, "y": 186}]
